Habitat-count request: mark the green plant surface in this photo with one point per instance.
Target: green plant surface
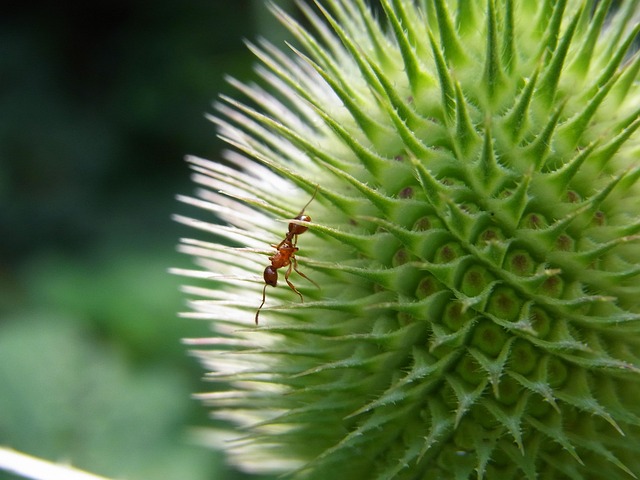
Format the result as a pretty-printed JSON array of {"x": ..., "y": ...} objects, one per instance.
[{"x": 470, "y": 170}]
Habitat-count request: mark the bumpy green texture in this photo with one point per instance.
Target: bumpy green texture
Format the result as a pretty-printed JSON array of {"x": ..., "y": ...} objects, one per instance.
[{"x": 475, "y": 235}]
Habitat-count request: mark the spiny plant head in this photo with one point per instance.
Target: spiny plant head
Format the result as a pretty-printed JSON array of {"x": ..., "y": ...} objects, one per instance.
[{"x": 474, "y": 233}]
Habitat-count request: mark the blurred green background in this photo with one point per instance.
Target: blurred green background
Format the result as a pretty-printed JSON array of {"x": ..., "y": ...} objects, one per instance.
[{"x": 99, "y": 103}]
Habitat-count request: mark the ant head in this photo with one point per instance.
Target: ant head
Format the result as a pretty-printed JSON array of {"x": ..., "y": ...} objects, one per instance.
[
  {"x": 297, "y": 229},
  {"x": 270, "y": 276}
]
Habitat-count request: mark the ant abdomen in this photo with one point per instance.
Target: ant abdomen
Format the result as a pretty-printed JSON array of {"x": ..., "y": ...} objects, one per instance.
[{"x": 270, "y": 276}]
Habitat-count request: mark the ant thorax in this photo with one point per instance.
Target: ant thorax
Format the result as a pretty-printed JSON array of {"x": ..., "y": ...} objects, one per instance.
[{"x": 282, "y": 257}]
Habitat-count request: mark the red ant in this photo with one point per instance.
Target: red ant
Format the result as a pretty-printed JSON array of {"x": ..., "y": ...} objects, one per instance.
[{"x": 286, "y": 256}]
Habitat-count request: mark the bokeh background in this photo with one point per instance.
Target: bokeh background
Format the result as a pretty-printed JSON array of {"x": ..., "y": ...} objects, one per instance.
[{"x": 99, "y": 102}]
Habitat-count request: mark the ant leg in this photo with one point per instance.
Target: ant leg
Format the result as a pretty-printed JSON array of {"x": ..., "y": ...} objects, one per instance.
[
  {"x": 264, "y": 291},
  {"x": 295, "y": 267},
  {"x": 291, "y": 285}
]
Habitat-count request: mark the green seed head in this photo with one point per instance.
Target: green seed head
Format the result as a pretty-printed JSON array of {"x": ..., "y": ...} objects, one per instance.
[{"x": 474, "y": 233}]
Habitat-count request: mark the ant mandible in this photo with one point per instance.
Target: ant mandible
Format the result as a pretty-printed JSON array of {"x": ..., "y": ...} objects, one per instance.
[{"x": 285, "y": 256}]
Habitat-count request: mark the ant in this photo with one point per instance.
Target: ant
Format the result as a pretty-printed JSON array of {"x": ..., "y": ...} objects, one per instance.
[{"x": 286, "y": 256}]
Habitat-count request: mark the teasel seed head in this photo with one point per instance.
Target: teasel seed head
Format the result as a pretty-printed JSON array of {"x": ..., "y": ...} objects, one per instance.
[{"x": 475, "y": 234}]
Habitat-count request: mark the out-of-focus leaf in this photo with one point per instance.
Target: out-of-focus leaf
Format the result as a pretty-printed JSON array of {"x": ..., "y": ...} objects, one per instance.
[{"x": 63, "y": 395}]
